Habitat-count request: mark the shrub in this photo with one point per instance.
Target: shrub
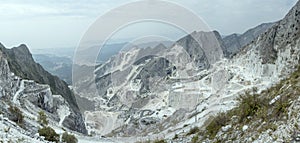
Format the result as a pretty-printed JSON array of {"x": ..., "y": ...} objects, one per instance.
[
  {"x": 69, "y": 138},
  {"x": 250, "y": 105},
  {"x": 16, "y": 115},
  {"x": 42, "y": 119},
  {"x": 175, "y": 137},
  {"x": 216, "y": 124},
  {"x": 193, "y": 131},
  {"x": 160, "y": 141},
  {"x": 262, "y": 113},
  {"x": 281, "y": 106},
  {"x": 195, "y": 139},
  {"x": 49, "y": 134},
  {"x": 273, "y": 127}
]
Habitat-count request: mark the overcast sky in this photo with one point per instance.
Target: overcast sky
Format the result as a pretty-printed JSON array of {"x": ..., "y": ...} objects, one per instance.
[{"x": 62, "y": 23}]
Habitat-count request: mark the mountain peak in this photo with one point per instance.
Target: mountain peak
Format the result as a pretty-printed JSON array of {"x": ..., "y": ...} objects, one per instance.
[
  {"x": 1, "y": 45},
  {"x": 160, "y": 46},
  {"x": 22, "y": 48},
  {"x": 23, "y": 45}
]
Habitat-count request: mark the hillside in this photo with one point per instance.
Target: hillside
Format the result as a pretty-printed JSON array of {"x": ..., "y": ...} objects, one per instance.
[
  {"x": 266, "y": 116},
  {"x": 21, "y": 63}
]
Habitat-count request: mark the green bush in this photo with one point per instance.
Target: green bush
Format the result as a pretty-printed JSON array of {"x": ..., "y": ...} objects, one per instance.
[
  {"x": 216, "y": 124},
  {"x": 16, "y": 115},
  {"x": 262, "y": 113},
  {"x": 160, "y": 141},
  {"x": 193, "y": 131},
  {"x": 49, "y": 134},
  {"x": 281, "y": 106},
  {"x": 69, "y": 138},
  {"x": 175, "y": 137},
  {"x": 195, "y": 139},
  {"x": 42, "y": 119},
  {"x": 250, "y": 105}
]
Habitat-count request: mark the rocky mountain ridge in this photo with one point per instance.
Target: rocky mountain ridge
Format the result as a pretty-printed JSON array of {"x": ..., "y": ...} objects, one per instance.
[
  {"x": 21, "y": 63},
  {"x": 26, "y": 98},
  {"x": 235, "y": 42}
]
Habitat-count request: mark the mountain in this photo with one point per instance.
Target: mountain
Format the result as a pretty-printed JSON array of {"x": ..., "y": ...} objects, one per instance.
[
  {"x": 264, "y": 112},
  {"x": 203, "y": 88},
  {"x": 203, "y": 47},
  {"x": 61, "y": 52},
  {"x": 193, "y": 80},
  {"x": 23, "y": 100},
  {"x": 137, "y": 82},
  {"x": 153, "y": 44},
  {"x": 58, "y": 66},
  {"x": 235, "y": 42},
  {"x": 282, "y": 36},
  {"x": 22, "y": 64}
]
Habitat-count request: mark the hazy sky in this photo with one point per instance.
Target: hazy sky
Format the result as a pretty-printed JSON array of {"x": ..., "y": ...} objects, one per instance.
[{"x": 62, "y": 23}]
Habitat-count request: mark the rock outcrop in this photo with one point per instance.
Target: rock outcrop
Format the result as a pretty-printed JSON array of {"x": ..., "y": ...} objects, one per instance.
[
  {"x": 21, "y": 63},
  {"x": 235, "y": 42}
]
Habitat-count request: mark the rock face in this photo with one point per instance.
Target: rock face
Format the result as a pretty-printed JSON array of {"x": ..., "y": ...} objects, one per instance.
[
  {"x": 21, "y": 63},
  {"x": 235, "y": 42},
  {"x": 193, "y": 48},
  {"x": 204, "y": 48},
  {"x": 30, "y": 98},
  {"x": 156, "y": 67},
  {"x": 277, "y": 47}
]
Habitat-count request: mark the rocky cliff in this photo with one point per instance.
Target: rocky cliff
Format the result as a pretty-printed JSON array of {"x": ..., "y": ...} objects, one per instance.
[
  {"x": 21, "y": 63},
  {"x": 235, "y": 42}
]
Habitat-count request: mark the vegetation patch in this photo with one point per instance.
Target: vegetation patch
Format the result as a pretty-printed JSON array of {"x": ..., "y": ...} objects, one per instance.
[
  {"x": 193, "y": 131},
  {"x": 42, "y": 119},
  {"x": 49, "y": 134},
  {"x": 160, "y": 141},
  {"x": 266, "y": 107},
  {"x": 216, "y": 124},
  {"x": 68, "y": 138},
  {"x": 195, "y": 139},
  {"x": 16, "y": 115}
]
